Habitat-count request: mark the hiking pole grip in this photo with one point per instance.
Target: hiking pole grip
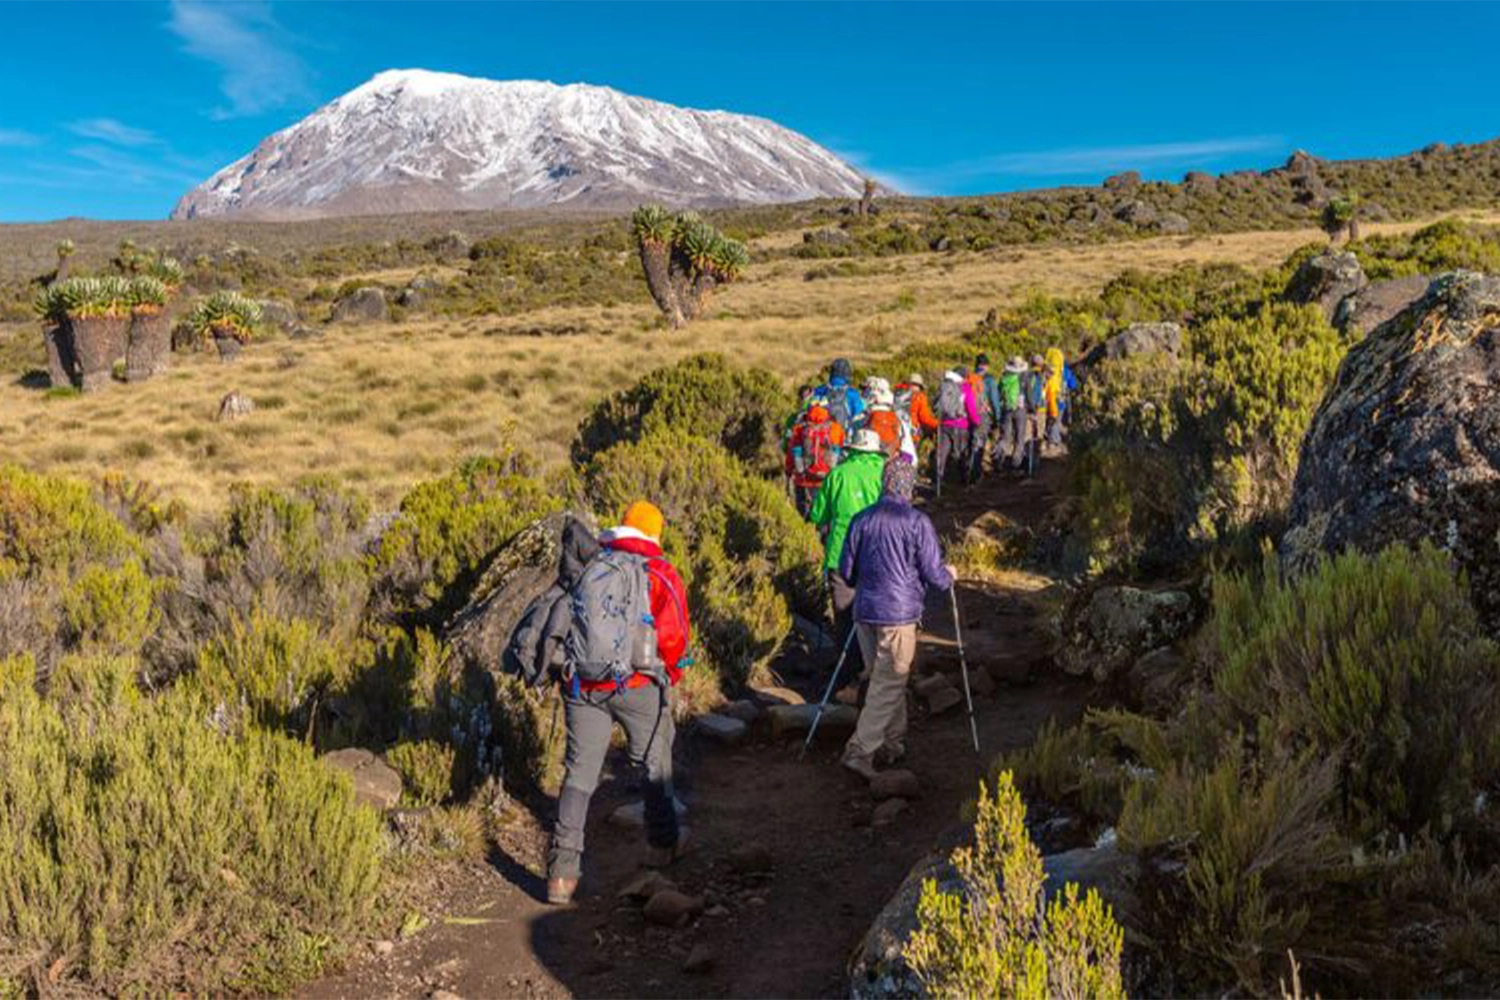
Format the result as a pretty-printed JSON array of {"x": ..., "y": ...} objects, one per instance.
[
  {"x": 963, "y": 665},
  {"x": 828, "y": 693}
]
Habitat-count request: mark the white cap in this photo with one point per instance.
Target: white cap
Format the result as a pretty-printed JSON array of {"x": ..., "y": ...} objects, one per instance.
[
  {"x": 953, "y": 376},
  {"x": 882, "y": 398},
  {"x": 865, "y": 440}
]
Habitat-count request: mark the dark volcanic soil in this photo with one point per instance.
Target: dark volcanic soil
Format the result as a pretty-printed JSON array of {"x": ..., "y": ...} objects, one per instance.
[{"x": 788, "y": 932}]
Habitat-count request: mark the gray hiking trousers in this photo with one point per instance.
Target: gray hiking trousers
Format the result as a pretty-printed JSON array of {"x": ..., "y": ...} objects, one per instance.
[
  {"x": 952, "y": 446},
  {"x": 645, "y": 713}
]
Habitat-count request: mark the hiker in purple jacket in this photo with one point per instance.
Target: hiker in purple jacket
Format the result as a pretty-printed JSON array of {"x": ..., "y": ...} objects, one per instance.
[{"x": 891, "y": 557}]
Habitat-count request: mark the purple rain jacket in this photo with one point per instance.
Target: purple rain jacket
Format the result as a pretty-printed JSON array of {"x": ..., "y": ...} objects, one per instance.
[{"x": 891, "y": 555}]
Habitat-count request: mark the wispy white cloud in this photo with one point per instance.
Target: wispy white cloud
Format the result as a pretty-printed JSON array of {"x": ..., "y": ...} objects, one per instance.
[
  {"x": 260, "y": 70},
  {"x": 17, "y": 137},
  {"x": 126, "y": 168},
  {"x": 111, "y": 130},
  {"x": 1092, "y": 161}
]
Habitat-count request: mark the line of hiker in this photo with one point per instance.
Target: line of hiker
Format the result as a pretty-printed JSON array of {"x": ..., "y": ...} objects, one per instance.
[
  {"x": 612, "y": 632},
  {"x": 976, "y": 421}
]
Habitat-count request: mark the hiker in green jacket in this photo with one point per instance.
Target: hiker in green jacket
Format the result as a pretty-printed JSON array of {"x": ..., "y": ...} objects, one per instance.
[{"x": 854, "y": 484}]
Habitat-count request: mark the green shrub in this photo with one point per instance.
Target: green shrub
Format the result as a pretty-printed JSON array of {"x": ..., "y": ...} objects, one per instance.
[
  {"x": 746, "y": 557},
  {"x": 427, "y": 770},
  {"x": 1377, "y": 660},
  {"x": 703, "y": 396},
  {"x": 997, "y": 937},
  {"x": 83, "y": 570},
  {"x": 277, "y": 669},
  {"x": 433, "y": 551},
  {"x": 145, "y": 850}
]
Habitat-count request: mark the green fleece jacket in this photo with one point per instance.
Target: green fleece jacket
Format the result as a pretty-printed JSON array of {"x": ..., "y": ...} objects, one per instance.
[{"x": 853, "y": 485}]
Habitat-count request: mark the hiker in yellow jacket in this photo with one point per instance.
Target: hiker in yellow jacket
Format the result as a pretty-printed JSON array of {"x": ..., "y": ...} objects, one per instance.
[{"x": 1054, "y": 392}]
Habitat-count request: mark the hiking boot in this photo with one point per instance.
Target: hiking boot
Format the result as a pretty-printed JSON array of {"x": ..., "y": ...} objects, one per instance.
[
  {"x": 560, "y": 890},
  {"x": 891, "y": 753},
  {"x": 862, "y": 766},
  {"x": 661, "y": 857}
]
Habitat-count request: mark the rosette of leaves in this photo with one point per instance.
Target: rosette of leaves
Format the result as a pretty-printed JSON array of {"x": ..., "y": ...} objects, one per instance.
[
  {"x": 167, "y": 270},
  {"x": 224, "y": 314},
  {"x": 147, "y": 295},
  {"x": 86, "y": 298}
]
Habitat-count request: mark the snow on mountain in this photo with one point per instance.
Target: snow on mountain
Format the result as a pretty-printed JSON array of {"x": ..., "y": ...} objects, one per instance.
[{"x": 414, "y": 140}]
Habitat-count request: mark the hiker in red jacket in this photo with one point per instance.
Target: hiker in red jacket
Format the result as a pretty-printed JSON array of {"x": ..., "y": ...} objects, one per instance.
[{"x": 620, "y": 668}]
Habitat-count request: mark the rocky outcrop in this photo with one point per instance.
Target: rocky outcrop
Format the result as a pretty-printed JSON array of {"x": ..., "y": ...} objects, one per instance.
[
  {"x": 1326, "y": 281},
  {"x": 1379, "y": 303},
  {"x": 1406, "y": 446},
  {"x": 517, "y": 574},
  {"x": 1136, "y": 340},
  {"x": 376, "y": 783},
  {"x": 278, "y": 314},
  {"x": 1172, "y": 223},
  {"x": 363, "y": 305},
  {"x": 1136, "y": 213},
  {"x": 1106, "y": 631}
]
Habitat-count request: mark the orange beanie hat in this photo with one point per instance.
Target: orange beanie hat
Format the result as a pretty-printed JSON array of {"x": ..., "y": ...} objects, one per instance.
[{"x": 645, "y": 518}]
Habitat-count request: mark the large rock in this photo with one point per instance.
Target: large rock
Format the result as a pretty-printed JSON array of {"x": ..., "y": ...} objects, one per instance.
[
  {"x": 376, "y": 783},
  {"x": 1379, "y": 302},
  {"x": 278, "y": 314},
  {"x": 1406, "y": 446},
  {"x": 1139, "y": 339},
  {"x": 1172, "y": 223},
  {"x": 1136, "y": 213},
  {"x": 1106, "y": 631},
  {"x": 516, "y": 575},
  {"x": 363, "y": 305},
  {"x": 794, "y": 720},
  {"x": 1105, "y": 868},
  {"x": 1325, "y": 281}
]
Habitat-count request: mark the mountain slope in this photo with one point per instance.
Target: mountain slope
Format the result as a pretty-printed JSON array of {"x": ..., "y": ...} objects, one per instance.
[{"x": 413, "y": 140}]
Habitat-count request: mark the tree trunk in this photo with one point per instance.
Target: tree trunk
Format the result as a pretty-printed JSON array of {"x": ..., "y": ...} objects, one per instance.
[
  {"x": 656, "y": 262},
  {"x": 99, "y": 341},
  {"x": 62, "y": 269},
  {"x": 150, "y": 346},
  {"x": 62, "y": 363}
]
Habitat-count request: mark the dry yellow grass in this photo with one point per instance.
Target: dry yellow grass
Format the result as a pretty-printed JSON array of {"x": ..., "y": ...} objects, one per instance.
[{"x": 385, "y": 405}]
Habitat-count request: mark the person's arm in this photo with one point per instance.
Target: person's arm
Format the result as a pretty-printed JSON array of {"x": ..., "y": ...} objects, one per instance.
[
  {"x": 992, "y": 394},
  {"x": 930, "y": 565},
  {"x": 821, "y": 512},
  {"x": 926, "y": 419},
  {"x": 670, "y": 612},
  {"x": 848, "y": 561}
]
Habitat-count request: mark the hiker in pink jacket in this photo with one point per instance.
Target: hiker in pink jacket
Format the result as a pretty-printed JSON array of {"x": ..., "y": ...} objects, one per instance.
[{"x": 959, "y": 417}]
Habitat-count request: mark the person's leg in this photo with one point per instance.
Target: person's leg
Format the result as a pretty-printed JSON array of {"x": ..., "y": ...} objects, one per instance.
[
  {"x": 940, "y": 458},
  {"x": 589, "y": 726},
  {"x": 886, "y": 695},
  {"x": 903, "y": 654},
  {"x": 645, "y": 713}
]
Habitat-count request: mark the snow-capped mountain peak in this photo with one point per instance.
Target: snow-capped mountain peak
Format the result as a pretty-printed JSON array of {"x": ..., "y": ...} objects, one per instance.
[{"x": 418, "y": 140}]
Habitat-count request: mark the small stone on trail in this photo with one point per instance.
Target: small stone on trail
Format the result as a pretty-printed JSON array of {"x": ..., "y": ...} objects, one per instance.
[
  {"x": 745, "y": 710},
  {"x": 789, "y": 719},
  {"x": 235, "y": 406},
  {"x": 376, "y": 783},
  {"x": 717, "y": 910},
  {"x": 632, "y": 815},
  {"x": 895, "y": 784},
  {"x": 671, "y": 908},
  {"x": 701, "y": 959},
  {"x": 886, "y": 813},
  {"x": 443, "y": 995},
  {"x": 383, "y": 947},
  {"x": 721, "y": 728},
  {"x": 944, "y": 700},
  {"x": 981, "y": 681},
  {"x": 645, "y": 885},
  {"x": 756, "y": 901},
  {"x": 751, "y": 857}
]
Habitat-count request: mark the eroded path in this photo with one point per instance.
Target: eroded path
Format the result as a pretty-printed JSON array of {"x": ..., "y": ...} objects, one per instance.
[{"x": 783, "y": 932}]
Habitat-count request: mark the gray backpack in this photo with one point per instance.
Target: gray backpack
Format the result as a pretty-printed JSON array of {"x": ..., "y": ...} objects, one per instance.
[
  {"x": 950, "y": 401},
  {"x": 612, "y": 634}
]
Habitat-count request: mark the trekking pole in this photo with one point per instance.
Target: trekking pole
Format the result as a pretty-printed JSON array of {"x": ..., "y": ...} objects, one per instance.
[
  {"x": 963, "y": 665},
  {"x": 837, "y": 668}
]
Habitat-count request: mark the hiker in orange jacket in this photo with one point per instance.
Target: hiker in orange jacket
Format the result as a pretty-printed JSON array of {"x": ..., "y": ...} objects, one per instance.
[
  {"x": 923, "y": 421},
  {"x": 884, "y": 421}
]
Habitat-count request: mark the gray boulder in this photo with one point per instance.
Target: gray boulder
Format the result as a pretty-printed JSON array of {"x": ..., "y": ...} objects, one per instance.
[
  {"x": 1380, "y": 302},
  {"x": 363, "y": 305},
  {"x": 1406, "y": 445},
  {"x": 235, "y": 406},
  {"x": 1172, "y": 223},
  {"x": 1107, "y": 630},
  {"x": 418, "y": 293},
  {"x": 1139, "y": 339},
  {"x": 1113, "y": 872},
  {"x": 278, "y": 314},
  {"x": 1136, "y": 213},
  {"x": 376, "y": 783},
  {"x": 1325, "y": 281},
  {"x": 1153, "y": 683}
]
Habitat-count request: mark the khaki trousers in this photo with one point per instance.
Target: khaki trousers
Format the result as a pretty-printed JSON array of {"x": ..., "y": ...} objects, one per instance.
[{"x": 889, "y": 650}]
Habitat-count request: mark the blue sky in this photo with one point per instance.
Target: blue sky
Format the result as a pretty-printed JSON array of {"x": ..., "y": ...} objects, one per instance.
[{"x": 113, "y": 110}]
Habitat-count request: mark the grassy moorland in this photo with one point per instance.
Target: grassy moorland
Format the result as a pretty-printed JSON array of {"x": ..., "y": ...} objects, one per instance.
[{"x": 382, "y": 405}]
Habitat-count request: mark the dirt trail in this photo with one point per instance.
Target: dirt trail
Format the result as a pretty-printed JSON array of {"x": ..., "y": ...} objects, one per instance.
[{"x": 786, "y": 933}]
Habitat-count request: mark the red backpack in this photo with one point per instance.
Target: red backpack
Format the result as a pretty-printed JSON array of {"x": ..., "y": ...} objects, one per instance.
[{"x": 817, "y": 448}]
